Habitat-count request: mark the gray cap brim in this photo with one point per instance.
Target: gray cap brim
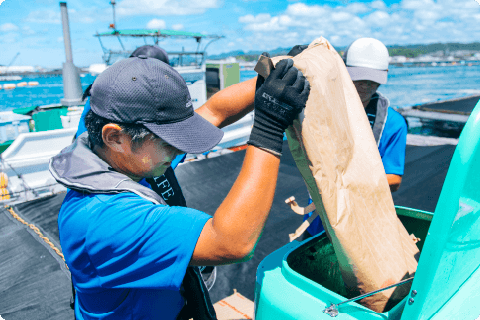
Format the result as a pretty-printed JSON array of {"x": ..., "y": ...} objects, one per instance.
[
  {"x": 362, "y": 73},
  {"x": 192, "y": 135}
]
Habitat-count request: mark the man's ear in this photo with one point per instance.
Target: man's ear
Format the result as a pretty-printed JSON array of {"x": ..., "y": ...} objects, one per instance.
[{"x": 114, "y": 138}]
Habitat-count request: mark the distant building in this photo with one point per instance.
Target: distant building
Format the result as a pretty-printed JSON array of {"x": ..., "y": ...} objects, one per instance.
[
  {"x": 17, "y": 69},
  {"x": 97, "y": 68},
  {"x": 398, "y": 59}
]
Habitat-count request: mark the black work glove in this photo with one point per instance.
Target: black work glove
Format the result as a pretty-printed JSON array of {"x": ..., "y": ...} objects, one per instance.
[
  {"x": 297, "y": 49},
  {"x": 278, "y": 101}
]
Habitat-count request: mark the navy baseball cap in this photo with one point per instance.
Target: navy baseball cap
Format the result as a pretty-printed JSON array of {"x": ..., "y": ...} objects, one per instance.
[
  {"x": 151, "y": 52},
  {"x": 142, "y": 90}
]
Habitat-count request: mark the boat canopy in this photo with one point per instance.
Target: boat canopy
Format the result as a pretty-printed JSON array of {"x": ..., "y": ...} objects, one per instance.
[
  {"x": 110, "y": 56},
  {"x": 156, "y": 33}
]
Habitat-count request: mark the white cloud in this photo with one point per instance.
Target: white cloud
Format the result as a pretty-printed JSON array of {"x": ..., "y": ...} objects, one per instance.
[
  {"x": 231, "y": 44},
  {"x": 26, "y": 30},
  {"x": 378, "y": 18},
  {"x": 44, "y": 16},
  {"x": 10, "y": 37},
  {"x": 341, "y": 16},
  {"x": 165, "y": 7},
  {"x": 156, "y": 24},
  {"x": 8, "y": 27},
  {"x": 357, "y": 7},
  {"x": 178, "y": 26},
  {"x": 379, "y": 4},
  {"x": 303, "y": 10},
  {"x": 60, "y": 39},
  {"x": 410, "y": 21},
  {"x": 1, "y": 1},
  {"x": 261, "y": 18},
  {"x": 85, "y": 19}
]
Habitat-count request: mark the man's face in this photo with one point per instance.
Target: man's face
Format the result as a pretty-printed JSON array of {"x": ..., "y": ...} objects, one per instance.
[
  {"x": 151, "y": 159},
  {"x": 366, "y": 89}
]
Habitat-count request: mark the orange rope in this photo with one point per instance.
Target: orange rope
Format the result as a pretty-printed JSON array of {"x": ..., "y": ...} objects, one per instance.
[{"x": 37, "y": 231}]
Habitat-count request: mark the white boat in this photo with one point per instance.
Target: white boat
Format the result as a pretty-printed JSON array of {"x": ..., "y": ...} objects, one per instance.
[{"x": 26, "y": 160}]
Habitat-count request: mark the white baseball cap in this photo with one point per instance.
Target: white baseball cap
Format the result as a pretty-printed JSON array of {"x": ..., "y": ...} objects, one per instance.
[{"x": 367, "y": 59}]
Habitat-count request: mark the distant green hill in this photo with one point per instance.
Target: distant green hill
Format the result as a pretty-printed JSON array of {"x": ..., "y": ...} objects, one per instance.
[{"x": 410, "y": 51}]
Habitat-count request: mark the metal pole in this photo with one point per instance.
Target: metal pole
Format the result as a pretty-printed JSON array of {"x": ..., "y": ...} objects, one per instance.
[
  {"x": 72, "y": 87},
  {"x": 333, "y": 311},
  {"x": 66, "y": 32}
]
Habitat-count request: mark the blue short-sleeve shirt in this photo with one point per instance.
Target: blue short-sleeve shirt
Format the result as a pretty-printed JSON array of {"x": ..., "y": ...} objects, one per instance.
[
  {"x": 127, "y": 256},
  {"x": 392, "y": 151}
]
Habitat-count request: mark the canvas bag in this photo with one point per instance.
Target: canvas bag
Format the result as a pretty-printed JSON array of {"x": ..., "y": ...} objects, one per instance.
[{"x": 334, "y": 148}]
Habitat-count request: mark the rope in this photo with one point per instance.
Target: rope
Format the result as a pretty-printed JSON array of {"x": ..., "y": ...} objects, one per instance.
[{"x": 37, "y": 231}]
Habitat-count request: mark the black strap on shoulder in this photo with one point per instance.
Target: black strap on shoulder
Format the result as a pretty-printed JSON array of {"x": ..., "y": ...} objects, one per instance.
[
  {"x": 168, "y": 188},
  {"x": 371, "y": 110}
]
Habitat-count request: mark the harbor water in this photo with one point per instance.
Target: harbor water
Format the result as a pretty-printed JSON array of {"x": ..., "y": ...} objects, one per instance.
[{"x": 406, "y": 86}]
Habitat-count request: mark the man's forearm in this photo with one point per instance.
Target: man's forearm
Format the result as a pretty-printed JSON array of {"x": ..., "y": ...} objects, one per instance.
[
  {"x": 230, "y": 104},
  {"x": 238, "y": 222}
]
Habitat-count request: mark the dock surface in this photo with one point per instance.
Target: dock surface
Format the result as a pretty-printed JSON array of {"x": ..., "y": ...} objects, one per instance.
[
  {"x": 455, "y": 106},
  {"x": 455, "y": 110}
]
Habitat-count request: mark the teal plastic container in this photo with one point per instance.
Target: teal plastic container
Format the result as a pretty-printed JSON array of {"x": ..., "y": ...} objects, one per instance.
[{"x": 301, "y": 279}]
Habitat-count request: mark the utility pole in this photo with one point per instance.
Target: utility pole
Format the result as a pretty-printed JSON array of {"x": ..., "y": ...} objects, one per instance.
[{"x": 72, "y": 87}]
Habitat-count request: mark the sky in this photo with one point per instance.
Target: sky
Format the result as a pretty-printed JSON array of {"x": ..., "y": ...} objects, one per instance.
[{"x": 33, "y": 28}]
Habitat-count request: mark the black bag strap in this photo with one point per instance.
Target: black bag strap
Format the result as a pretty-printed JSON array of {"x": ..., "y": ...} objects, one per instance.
[
  {"x": 72, "y": 300},
  {"x": 197, "y": 300}
]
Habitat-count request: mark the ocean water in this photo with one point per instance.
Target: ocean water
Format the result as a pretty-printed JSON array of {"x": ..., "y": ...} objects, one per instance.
[
  {"x": 419, "y": 85},
  {"x": 405, "y": 87}
]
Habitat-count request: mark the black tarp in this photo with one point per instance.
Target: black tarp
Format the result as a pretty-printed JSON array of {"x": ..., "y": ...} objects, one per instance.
[
  {"x": 34, "y": 282},
  {"x": 34, "y": 285},
  {"x": 425, "y": 172}
]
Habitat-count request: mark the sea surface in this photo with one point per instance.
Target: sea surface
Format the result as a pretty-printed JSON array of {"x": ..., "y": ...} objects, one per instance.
[{"x": 406, "y": 86}]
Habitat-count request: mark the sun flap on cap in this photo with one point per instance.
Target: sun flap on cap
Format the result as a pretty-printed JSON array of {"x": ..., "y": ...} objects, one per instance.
[{"x": 192, "y": 135}]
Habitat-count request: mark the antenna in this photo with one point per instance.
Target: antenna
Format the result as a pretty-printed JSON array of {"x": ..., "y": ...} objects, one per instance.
[
  {"x": 114, "y": 24},
  {"x": 13, "y": 60}
]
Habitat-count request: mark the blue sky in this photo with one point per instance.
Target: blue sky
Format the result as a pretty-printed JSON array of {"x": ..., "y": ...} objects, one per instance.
[{"x": 34, "y": 29}]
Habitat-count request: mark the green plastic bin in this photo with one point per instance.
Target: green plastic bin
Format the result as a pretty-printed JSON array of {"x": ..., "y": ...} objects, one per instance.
[{"x": 49, "y": 119}]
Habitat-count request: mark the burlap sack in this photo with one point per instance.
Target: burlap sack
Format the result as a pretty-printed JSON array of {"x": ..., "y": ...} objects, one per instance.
[{"x": 334, "y": 148}]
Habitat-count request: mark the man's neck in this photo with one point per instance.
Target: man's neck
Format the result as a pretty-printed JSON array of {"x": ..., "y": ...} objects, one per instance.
[{"x": 110, "y": 159}]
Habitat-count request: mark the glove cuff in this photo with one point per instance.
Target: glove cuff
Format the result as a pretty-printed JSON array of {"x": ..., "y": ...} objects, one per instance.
[{"x": 267, "y": 140}]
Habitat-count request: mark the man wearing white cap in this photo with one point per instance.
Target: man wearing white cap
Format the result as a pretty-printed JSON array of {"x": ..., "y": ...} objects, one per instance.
[{"x": 367, "y": 63}]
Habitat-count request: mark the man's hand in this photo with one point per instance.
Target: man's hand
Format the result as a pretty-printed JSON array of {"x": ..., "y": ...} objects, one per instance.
[
  {"x": 297, "y": 49},
  {"x": 394, "y": 181},
  {"x": 278, "y": 101}
]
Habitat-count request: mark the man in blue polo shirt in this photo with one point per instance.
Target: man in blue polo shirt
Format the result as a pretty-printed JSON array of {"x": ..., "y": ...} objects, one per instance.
[
  {"x": 367, "y": 63},
  {"x": 131, "y": 255}
]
